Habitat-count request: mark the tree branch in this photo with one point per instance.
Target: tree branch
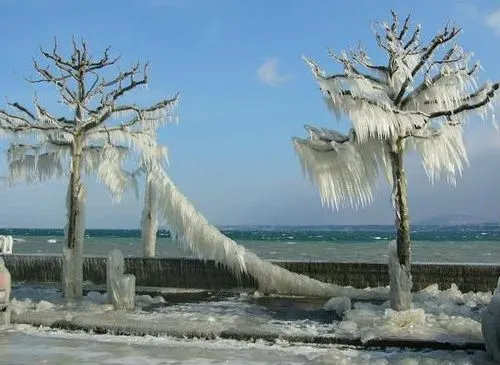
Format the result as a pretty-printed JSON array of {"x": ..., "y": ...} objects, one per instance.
[{"x": 438, "y": 40}]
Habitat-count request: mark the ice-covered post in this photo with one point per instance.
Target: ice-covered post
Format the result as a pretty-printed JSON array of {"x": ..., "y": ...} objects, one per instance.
[
  {"x": 5, "y": 286},
  {"x": 6, "y": 243},
  {"x": 125, "y": 292},
  {"x": 121, "y": 288},
  {"x": 419, "y": 97},
  {"x": 490, "y": 325}
]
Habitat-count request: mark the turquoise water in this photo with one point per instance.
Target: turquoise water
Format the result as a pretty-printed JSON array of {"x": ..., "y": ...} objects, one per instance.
[{"x": 464, "y": 243}]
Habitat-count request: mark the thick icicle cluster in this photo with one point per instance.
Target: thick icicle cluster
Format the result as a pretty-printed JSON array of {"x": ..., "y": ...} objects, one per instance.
[
  {"x": 207, "y": 242},
  {"x": 367, "y": 104},
  {"x": 343, "y": 169},
  {"x": 442, "y": 151}
]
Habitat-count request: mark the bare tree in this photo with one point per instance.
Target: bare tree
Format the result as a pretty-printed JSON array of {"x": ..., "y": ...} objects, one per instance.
[
  {"x": 97, "y": 135},
  {"x": 419, "y": 97}
]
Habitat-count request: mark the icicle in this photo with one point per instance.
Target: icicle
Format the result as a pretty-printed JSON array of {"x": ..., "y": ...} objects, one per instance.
[
  {"x": 206, "y": 241},
  {"x": 442, "y": 150},
  {"x": 344, "y": 172}
]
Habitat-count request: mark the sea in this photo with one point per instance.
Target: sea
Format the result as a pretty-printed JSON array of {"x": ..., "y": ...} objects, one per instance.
[{"x": 473, "y": 243}]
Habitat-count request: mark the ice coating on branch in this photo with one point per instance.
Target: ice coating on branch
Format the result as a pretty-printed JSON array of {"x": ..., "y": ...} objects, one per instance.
[
  {"x": 400, "y": 281},
  {"x": 207, "y": 242},
  {"x": 419, "y": 97},
  {"x": 367, "y": 104},
  {"x": 442, "y": 151},
  {"x": 344, "y": 172},
  {"x": 420, "y": 82}
]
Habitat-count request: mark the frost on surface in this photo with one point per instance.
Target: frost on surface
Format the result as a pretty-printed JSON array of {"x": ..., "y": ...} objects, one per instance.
[{"x": 400, "y": 281}]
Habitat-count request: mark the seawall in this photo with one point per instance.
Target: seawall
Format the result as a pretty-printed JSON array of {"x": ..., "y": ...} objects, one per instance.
[{"x": 194, "y": 273}]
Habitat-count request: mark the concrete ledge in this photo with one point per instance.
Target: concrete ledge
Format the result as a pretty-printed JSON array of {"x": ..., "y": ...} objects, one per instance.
[
  {"x": 136, "y": 328},
  {"x": 194, "y": 273}
]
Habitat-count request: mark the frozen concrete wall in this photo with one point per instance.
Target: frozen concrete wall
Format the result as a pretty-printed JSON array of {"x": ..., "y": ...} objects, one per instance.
[{"x": 193, "y": 273}]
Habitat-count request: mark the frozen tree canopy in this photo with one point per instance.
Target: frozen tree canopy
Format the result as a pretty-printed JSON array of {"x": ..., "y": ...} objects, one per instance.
[
  {"x": 107, "y": 129},
  {"x": 422, "y": 94}
]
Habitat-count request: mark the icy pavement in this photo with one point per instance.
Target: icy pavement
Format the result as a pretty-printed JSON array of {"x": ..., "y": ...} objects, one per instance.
[
  {"x": 59, "y": 347},
  {"x": 439, "y": 315},
  {"x": 442, "y": 315}
]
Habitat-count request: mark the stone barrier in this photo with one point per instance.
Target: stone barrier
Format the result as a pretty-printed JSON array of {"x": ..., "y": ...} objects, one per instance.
[{"x": 194, "y": 273}]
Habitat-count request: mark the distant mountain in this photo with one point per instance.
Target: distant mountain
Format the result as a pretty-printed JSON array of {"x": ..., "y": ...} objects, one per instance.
[{"x": 454, "y": 220}]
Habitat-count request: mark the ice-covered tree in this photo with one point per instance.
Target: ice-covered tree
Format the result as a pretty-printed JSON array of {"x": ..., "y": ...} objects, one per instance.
[
  {"x": 94, "y": 136},
  {"x": 149, "y": 217},
  {"x": 97, "y": 134},
  {"x": 420, "y": 97}
]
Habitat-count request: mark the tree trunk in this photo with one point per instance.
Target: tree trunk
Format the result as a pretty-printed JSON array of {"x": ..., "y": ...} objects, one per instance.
[
  {"x": 400, "y": 271},
  {"x": 75, "y": 228},
  {"x": 149, "y": 221}
]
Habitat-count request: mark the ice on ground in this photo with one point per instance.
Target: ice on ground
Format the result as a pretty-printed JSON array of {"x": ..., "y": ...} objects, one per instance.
[
  {"x": 55, "y": 346},
  {"x": 339, "y": 305},
  {"x": 443, "y": 315}
]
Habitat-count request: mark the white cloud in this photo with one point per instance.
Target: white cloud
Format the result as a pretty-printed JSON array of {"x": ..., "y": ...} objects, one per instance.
[
  {"x": 269, "y": 74},
  {"x": 493, "y": 21}
]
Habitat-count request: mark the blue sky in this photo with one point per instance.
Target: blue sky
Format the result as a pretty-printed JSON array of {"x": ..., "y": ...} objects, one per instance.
[{"x": 244, "y": 93}]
